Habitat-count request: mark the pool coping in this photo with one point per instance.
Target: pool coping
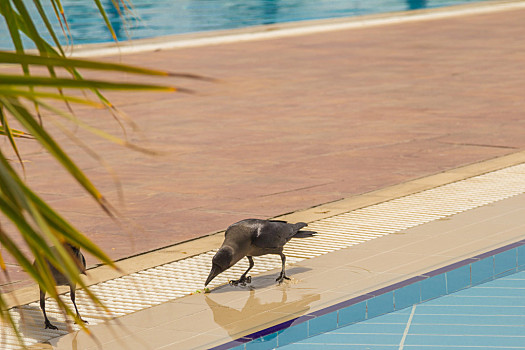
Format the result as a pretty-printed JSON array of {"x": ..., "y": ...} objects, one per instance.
[{"x": 429, "y": 285}]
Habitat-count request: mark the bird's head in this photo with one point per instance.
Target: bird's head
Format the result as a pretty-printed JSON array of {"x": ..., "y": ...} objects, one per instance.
[
  {"x": 74, "y": 249},
  {"x": 220, "y": 262}
]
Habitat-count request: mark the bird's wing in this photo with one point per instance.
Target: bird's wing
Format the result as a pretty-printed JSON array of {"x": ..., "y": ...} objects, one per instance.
[
  {"x": 82, "y": 263},
  {"x": 273, "y": 234}
]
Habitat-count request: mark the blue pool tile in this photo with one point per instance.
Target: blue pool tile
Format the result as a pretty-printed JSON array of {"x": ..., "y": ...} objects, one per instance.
[
  {"x": 506, "y": 273},
  {"x": 407, "y": 296},
  {"x": 238, "y": 347},
  {"x": 444, "y": 300},
  {"x": 452, "y": 329},
  {"x": 470, "y": 310},
  {"x": 505, "y": 261},
  {"x": 304, "y": 346},
  {"x": 496, "y": 292},
  {"x": 456, "y": 342},
  {"x": 380, "y": 304},
  {"x": 458, "y": 279},
  {"x": 482, "y": 270},
  {"x": 393, "y": 317},
  {"x": 263, "y": 343},
  {"x": 475, "y": 320},
  {"x": 368, "y": 347},
  {"x": 322, "y": 324},
  {"x": 355, "y": 339},
  {"x": 352, "y": 314},
  {"x": 406, "y": 311},
  {"x": 433, "y": 287},
  {"x": 521, "y": 257},
  {"x": 301, "y": 346},
  {"x": 439, "y": 347},
  {"x": 514, "y": 281},
  {"x": 308, "y": 346},
  {"x": 476, "y": 300},
  {"x": 292, "y": 334},
  {"x": 276, "y": 328},
  {"x": 372, "y": 328},
  {"x": 237, "y": 344},
  {"x": 518, "y": 276}
]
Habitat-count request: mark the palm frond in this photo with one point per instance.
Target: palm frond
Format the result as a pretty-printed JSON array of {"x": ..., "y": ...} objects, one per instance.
[{"x": 36, "y": 222}]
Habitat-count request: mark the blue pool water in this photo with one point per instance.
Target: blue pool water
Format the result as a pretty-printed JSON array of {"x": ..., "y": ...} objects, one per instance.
[
  {"x": 152, "y": 18},
  {"x": 484, "y": 317}
]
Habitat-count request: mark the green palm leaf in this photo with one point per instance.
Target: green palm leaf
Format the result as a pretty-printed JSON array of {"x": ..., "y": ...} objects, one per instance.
[
  {"x": 36, "y": 222},
  {"x": 17, "y": 58},
  {"x": 16, "y": 80}
]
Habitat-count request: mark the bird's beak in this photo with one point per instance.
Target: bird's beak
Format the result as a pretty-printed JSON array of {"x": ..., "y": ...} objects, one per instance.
[{"x": 215, "y": 270}]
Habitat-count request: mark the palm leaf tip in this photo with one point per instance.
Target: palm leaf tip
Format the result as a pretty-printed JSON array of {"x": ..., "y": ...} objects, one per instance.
[{"x": 67, "y": 62}]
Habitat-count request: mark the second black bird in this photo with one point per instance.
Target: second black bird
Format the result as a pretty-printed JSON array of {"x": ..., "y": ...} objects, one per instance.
[
  {"x": 61, "y": 280},
  {"x": 254, "y": 237}
]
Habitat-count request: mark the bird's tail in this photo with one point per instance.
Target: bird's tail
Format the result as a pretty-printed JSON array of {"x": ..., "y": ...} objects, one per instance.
[
  {"x": 304, "y": 234},
  {"x": 299, "y": 225}
]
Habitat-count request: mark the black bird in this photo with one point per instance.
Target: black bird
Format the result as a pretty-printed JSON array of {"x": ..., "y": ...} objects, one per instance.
[
  {"x": 61, "y": 280},
  {"x": 254, "y": 237}
]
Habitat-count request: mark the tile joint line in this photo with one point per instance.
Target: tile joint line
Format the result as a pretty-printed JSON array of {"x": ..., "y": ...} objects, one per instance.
[{"x": 402, "y": 343}]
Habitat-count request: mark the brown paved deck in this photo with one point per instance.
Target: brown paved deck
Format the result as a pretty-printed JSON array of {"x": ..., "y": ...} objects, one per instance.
[{"x": 298, "y": 122}]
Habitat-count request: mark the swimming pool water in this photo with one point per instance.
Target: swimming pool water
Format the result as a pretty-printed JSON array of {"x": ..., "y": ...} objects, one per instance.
[
  {"x": 164, "y": 17},
  {"x": 483, "y": 317}
]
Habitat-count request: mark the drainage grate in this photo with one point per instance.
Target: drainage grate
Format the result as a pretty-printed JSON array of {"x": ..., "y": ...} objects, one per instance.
[{"x": 156, "y": 285}]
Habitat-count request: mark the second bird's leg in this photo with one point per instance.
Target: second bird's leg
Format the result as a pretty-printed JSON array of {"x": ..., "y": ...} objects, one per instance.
[
  {"x": 282, "y": 275},
  {"x": 244, "y": 279},
  {"x": 72, "y": 293},
  {"x": 43, "y": 307}
]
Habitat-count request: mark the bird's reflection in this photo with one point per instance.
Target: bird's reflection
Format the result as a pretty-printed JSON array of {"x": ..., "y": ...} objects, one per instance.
[{"x": 227, "y": 317}]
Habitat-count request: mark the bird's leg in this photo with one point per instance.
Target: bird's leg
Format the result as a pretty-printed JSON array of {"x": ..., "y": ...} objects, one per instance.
[
  {"x": 43, "y": 307},
  {"x": 72, "y": 288},
  {"x": 282, "y": 275},
  {"x": 244, "y": 279}
]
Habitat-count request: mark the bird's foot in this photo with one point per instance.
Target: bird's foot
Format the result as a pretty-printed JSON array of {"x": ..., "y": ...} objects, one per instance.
[
  {"x": 86, "y": 322},
  {"x": 242, "y": 281},
  {"x": 281, "y": 278},
  {"x": 50, "y": 326}
]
